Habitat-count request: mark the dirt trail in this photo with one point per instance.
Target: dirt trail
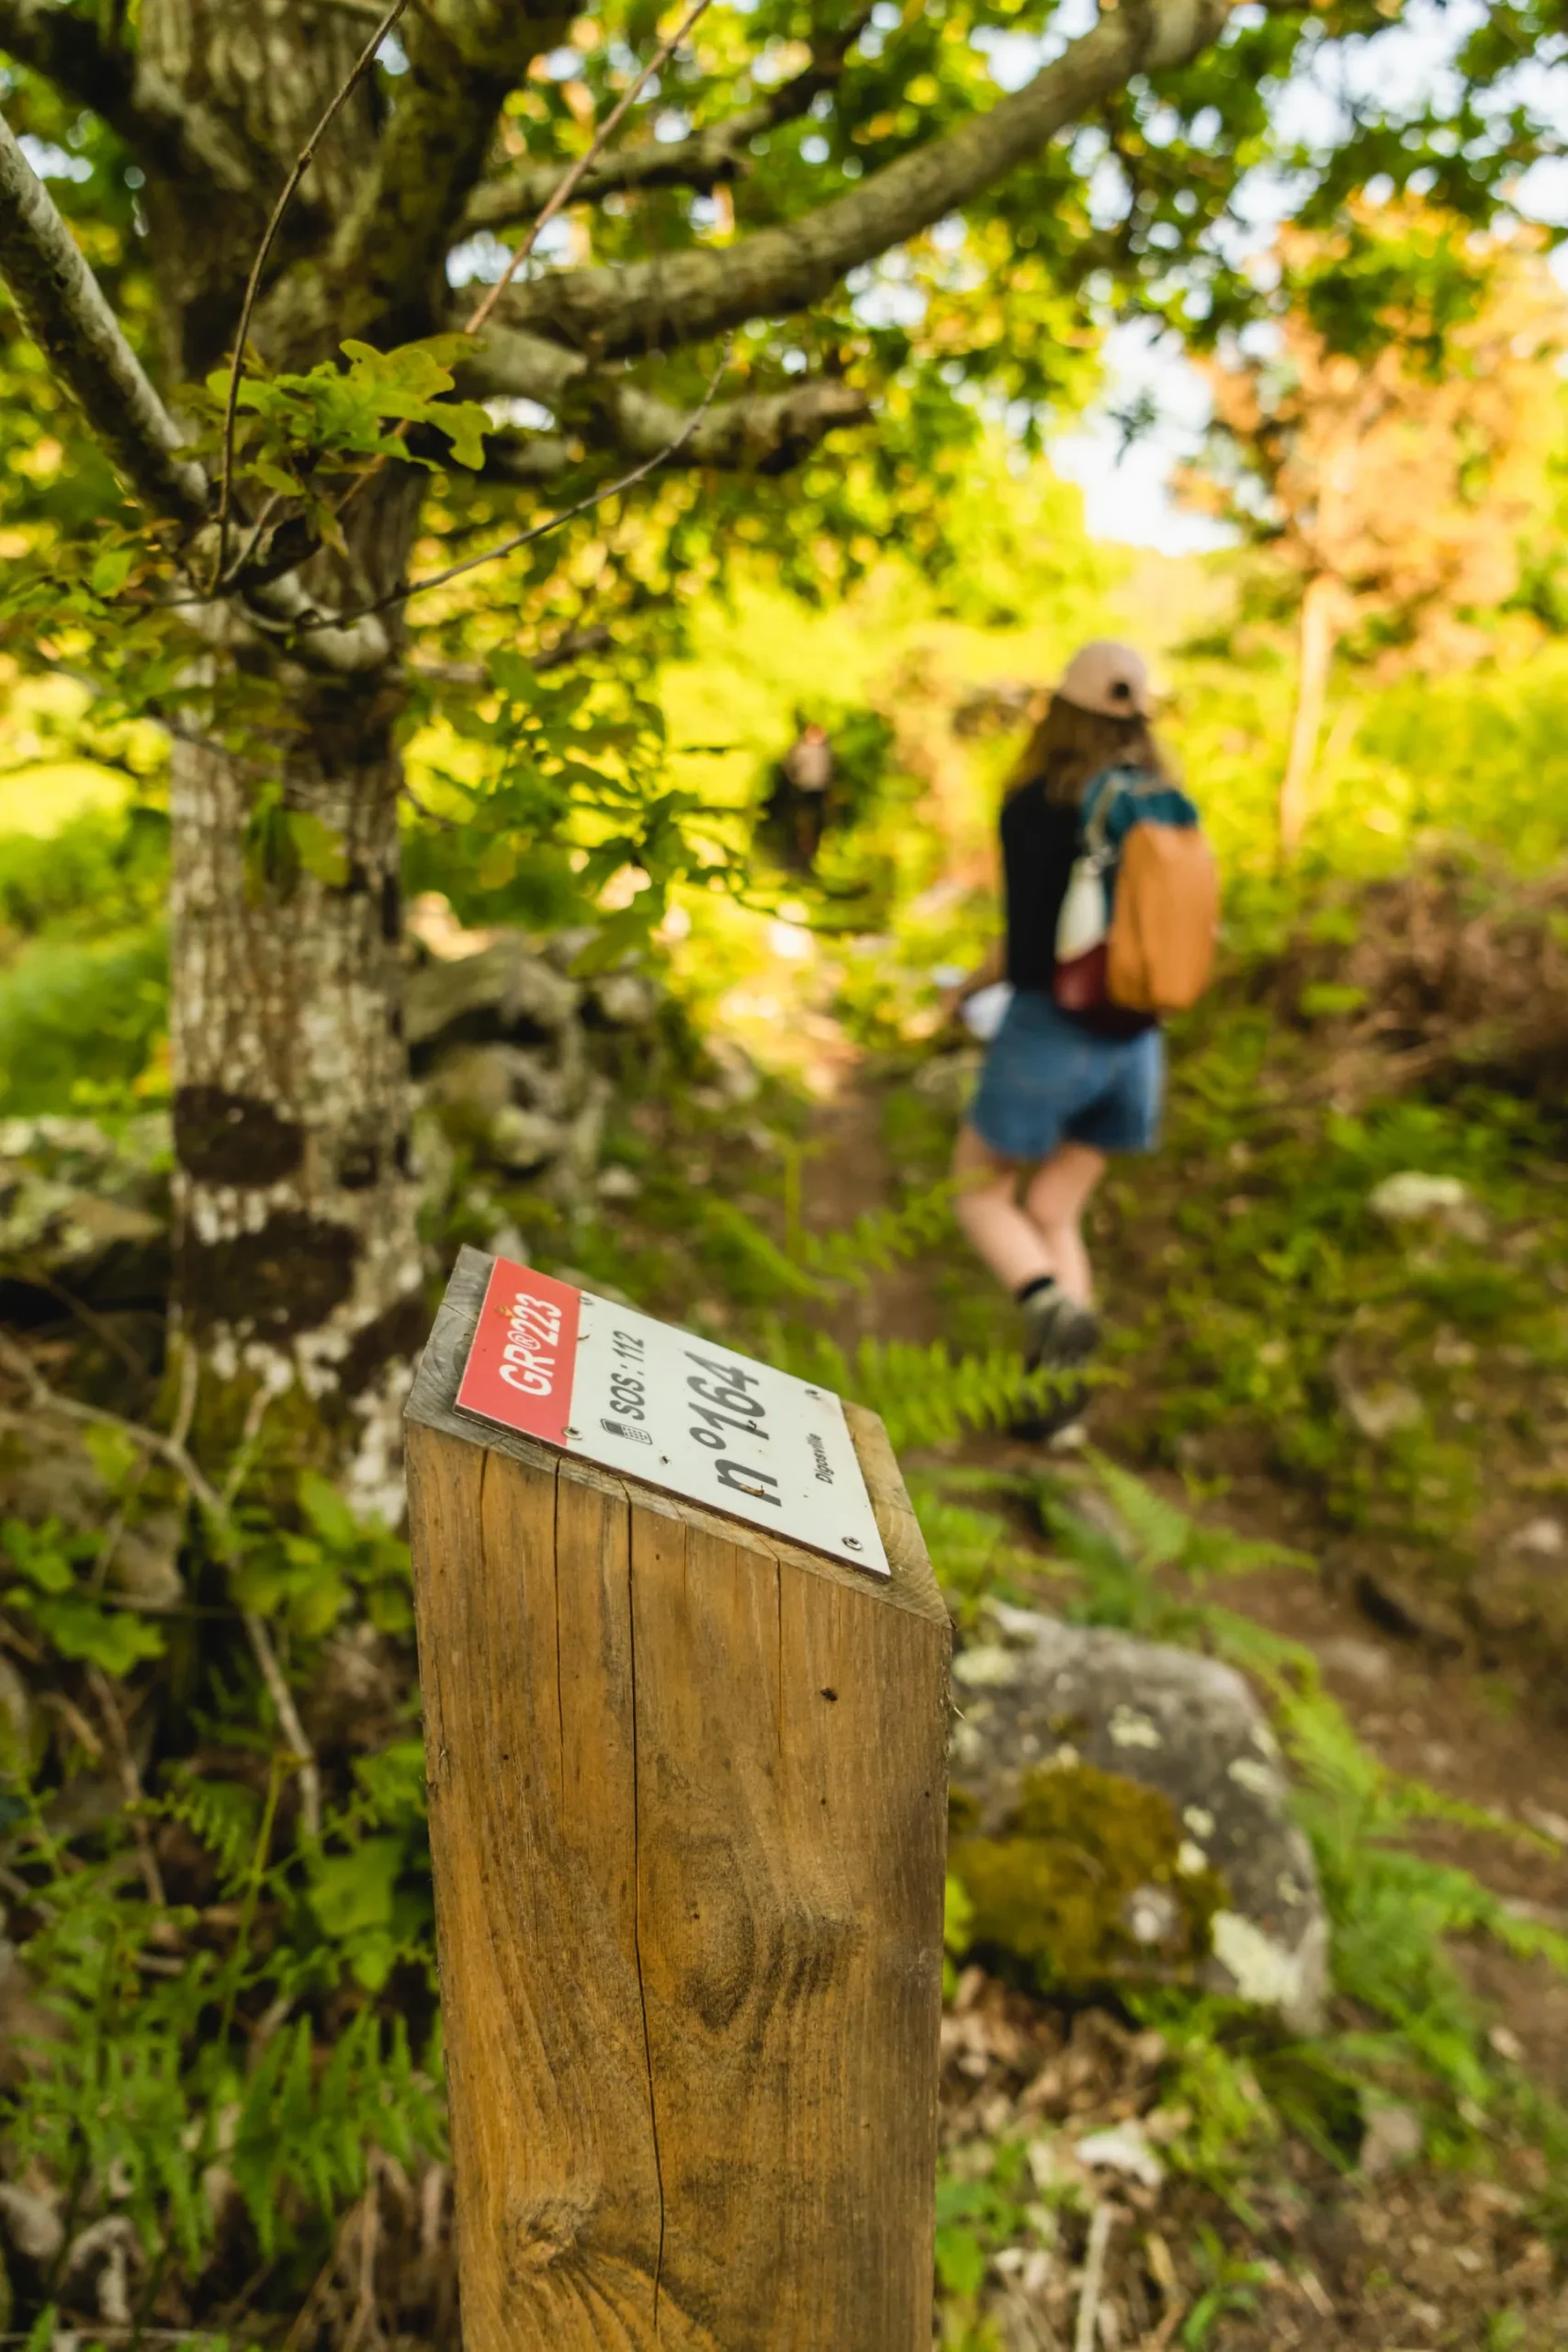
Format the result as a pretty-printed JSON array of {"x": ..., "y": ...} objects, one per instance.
[{"x": 1471, "y": 1737}]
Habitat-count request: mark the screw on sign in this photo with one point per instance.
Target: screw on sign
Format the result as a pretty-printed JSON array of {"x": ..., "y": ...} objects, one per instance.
[{"x": 684, "y": 1670}]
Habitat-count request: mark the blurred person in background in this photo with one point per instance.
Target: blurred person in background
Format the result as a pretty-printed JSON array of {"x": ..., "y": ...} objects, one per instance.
[
  {"x": 801, "y": 799},
  {"x": 1071, "y": 1077}
]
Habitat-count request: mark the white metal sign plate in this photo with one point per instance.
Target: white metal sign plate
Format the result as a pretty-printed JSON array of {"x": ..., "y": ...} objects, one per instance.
[{"x": 677, "y": 1412}]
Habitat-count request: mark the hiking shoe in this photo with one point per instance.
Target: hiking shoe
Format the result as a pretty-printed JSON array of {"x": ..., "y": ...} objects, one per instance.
[
  {"x": 1058, "y": 1421},
  {"x": 1061, "y": 1336},
  {"x": 1061, "y": 1333}
]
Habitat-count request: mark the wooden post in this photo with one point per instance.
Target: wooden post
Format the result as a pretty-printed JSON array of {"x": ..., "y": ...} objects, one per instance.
[{"x": 688, "y": 1818}]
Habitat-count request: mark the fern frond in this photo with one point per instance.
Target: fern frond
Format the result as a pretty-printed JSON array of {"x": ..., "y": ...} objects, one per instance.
[{"x": 224, "y": 1816}]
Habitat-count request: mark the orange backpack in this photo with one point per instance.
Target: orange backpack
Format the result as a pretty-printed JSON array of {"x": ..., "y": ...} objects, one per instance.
[
  {"x": 1165, "y": 919},
  {"x": 1138, "y": 925}
]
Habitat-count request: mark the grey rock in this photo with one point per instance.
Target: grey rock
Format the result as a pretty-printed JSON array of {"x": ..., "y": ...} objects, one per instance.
[
  {"x": 1378, "y": 1414},
  {"x": 144, "y": 1565},
  {"x": 19, "y": 1724},
  {"x": 51, "y": 1474},
  {"x": 31, "y": 2222},
  {"x": 1394, "y": 2137},
  {"x": 1358, "y": 1661},
  {"x": 473, "y": 1081},
  {"x": 84, "y": 1210},
  {"x": 564, "y": 947},
  {"x": 1414, "y": 1198},
  {"x": 525, "y": 1140},
  {"x": 434, "y": 1160},
  {"x": 625, "y": 1000},
  {"x": 504, "y": 989},
  {"x": 586, "y": 1135},
  {"x": 547, "y": 1081},
  {"x": 618, "y": 1185},
  {"x": 737, "y": 1079},
  {"x": 1037, "y": 1695}
]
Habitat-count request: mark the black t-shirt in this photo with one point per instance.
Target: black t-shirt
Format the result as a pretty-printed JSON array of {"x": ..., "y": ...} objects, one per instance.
[{"x": 1039, "y": 841}]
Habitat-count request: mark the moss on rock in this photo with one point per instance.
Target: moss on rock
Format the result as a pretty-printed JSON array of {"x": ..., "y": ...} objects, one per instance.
[{"x": 1087, "y": 1879}]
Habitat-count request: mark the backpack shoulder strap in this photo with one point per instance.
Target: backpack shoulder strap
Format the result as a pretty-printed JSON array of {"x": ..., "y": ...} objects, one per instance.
[{"x": 1101, "y": 817}]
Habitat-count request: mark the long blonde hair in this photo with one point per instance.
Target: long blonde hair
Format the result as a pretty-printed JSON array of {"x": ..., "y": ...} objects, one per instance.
[{"x": 1071, "y": 746}]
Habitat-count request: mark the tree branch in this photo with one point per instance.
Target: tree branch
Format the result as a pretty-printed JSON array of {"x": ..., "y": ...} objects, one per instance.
[
  {"x": 63, "y": 308},
  {"x": 703, "y": 161},
  {"x": 67, "y": 47},
  {"x": 464, "y": 62},
  {"x": 682, "y": 298},
  {"x": 578, "y": 171},
  {"x": 577, "y": 645},
  {"x": 527, "y": 458},
  {"x": 766, "y": 432},
  {"x": 518, "y": 366},
  {"x": 688, "y": 429}
]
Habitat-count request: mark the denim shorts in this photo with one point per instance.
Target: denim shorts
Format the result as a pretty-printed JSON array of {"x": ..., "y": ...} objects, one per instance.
[{"x": 1047, "y": 1081}]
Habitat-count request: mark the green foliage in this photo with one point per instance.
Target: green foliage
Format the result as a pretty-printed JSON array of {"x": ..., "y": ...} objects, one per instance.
[
  {"x": 1229, "y": 2285},
  {"x": 307, "y": 1576},
  {"x": 570, "y": 781},
  {"x": 59, "y": 1596},
  {"x": 144, "y": 2082},
  {"x": 296, "y": 429},
  {"x": 80, "y": 1023},
  {"x": 976, "y": 2213},
  {"x": 925, "y": 1395},
  {"x": 979, "y": 1553},
  {"x": 1393, "y": 1912}
]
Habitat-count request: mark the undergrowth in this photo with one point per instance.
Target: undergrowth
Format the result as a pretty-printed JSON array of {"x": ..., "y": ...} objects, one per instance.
[
  {"x": 229, "y": 2029},
  {"x": 1405, "y": 2027}
]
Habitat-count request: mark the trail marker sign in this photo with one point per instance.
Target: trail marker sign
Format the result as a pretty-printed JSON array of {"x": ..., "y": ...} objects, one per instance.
[
  {"x": 686, "y": 1753},
  {"x": 654, "y": 1403}
]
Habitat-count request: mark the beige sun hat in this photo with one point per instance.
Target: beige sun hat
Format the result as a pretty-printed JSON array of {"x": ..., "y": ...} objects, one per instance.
[{"x": 1110, "y": 678}]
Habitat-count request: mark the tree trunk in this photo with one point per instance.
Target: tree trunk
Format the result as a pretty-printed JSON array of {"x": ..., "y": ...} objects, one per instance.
[
  {"x": 297, "y": 1263},
  {"x": 297, "y": 1267},
  {"x": 1318, "y": 635}
]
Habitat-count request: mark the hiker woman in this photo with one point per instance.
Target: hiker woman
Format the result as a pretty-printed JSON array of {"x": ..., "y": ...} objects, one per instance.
[{"x": 1062, "y": 1089}]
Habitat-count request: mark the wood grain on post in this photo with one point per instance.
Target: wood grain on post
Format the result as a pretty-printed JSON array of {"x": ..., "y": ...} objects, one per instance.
[{"x": 688, "y": 1818}]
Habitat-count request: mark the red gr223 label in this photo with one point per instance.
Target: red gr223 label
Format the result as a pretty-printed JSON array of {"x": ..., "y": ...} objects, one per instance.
[{"x": 524, "y": 1352}]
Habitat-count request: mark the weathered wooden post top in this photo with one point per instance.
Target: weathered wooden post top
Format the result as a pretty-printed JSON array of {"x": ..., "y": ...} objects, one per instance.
[{"x": 685, "y": 1685}]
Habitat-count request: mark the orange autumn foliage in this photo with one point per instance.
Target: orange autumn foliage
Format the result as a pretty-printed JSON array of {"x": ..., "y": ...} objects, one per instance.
[{"x": 1396, "y": 481}]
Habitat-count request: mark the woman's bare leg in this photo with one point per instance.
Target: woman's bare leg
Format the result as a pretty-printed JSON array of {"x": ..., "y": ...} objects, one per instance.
[
  {"x": 986, "y": 1207},
  {"x": 1057, "y": 1195}
]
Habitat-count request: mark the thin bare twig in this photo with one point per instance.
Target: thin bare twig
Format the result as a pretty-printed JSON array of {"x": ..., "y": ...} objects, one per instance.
[
  {"x": 190, "y": 1379},
  {"x": 362, "y": 65},
  {"x": 1099, "y": 2230},
  {"x": 130, "y": 1781},
  {"x": 369, "y": 2244},
  {"x": 601, "y": 138},
  {"x": 173, "y": 1451},
  {"x": 98, "y": 1325},
  {"x": 293, "y": 1730},
  {"x": 551, "y": 522},
  {"x": 245, "y": 1452}
]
